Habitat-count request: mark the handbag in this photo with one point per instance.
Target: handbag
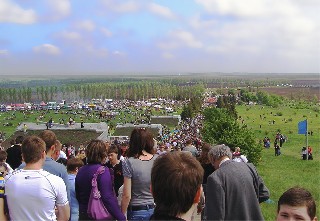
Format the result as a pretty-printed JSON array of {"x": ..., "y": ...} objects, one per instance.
[{"x": 96, "y": 209}]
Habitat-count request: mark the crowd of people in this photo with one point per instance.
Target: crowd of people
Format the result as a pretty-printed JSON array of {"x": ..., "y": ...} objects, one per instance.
[{"x": 195, "y": 178}]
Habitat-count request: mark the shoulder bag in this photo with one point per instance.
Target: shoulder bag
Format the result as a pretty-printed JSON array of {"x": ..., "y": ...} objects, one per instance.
[{"x": 96, "y": 209}]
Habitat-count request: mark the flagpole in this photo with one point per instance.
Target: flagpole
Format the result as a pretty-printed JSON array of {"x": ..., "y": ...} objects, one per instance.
[{"x": 307, "y": 139}]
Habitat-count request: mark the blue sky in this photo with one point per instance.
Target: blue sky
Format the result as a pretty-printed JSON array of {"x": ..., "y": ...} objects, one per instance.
[{"x": 164, "y": 36}]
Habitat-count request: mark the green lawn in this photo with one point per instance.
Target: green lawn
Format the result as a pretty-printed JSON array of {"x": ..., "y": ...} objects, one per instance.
[{"x": 286, "y": 170}]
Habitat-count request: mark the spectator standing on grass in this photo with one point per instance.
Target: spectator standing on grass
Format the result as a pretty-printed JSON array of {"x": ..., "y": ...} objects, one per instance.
[
  {"x": 14, "y": 158},
  {"x": 296, "y": 204},
  {"x": 33, "y": 193},
  {"x": 137, "y": 200},
  {"x": 310, "y": 157}
]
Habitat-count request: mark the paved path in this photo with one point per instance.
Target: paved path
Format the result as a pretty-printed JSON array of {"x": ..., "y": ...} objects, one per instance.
[{"x": 98, "y": 127}]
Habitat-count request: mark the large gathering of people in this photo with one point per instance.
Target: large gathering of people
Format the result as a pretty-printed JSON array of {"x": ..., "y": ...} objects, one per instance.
[{"x": 172, "y": 176}]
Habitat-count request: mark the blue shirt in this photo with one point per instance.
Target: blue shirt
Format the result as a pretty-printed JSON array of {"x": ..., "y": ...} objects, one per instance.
[{"x": 74, "y": 205}]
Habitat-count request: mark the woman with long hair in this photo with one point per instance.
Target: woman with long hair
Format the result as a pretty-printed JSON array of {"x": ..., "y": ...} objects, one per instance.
[
  {"x": 137, "y": 200},
  {"x": 96, "y": 153},
  {"x": 208, "y": 169}
]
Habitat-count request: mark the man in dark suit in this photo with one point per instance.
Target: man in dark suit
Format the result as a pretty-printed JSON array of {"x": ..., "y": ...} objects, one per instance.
[
  {"x": 14, "y": 158},
  {"x": 231, "y": 190}
]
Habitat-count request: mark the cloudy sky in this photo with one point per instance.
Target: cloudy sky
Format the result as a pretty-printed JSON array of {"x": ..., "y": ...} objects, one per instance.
[{"x": 143, "y": 36}]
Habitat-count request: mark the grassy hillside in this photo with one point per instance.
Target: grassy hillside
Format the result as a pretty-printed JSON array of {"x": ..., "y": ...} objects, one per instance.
[{"x": 288, "y": 169}]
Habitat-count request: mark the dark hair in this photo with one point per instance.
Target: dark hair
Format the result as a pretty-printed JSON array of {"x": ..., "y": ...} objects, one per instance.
[
  {"x": 175, "y": 179},
  {"x": 96, "y": 151},
  {"x": 49, "y": 138},
  {"x": 32, "y": 149},
  {"x": 74, "y": 163},
  {"x": 140, "y": 139},
  {"x": 203, "y": 158},
  {"x": 3, "y": 155},
  {"x": 63, "y": 161},
  {"x": 19, "y": 139},
  {"x": 113, "y": 149},
  {"x": 298, "y": 196}
]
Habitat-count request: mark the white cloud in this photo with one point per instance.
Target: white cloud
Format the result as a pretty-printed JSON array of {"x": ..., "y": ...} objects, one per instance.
[
  {"x": 47, "y": 49},
  {"x": 4, "y": 52},
  {"x": 58, "y": 9},
  {"x": 13, "y": 13},
  {"x": 187, "y": 39},
  {"x": 118, "y": 53},
  {"x": 167, "y": 55},
  {"x": 86, "y": 25},
  {"x": 247, "y": 8},
  {"x": 106, "y": 32},
  {"x": 122, "y": 7},
  {"x": 161, "y": 10},
  {"x": 179, "y": 39},
  {"x": 70, "y": 35}
]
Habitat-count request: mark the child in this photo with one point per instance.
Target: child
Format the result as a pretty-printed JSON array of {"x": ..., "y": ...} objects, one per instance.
[{"x": 296, "y": 204}]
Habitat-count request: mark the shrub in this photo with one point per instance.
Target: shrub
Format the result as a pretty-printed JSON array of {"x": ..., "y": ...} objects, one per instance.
[{"x": 222, "y": 128}]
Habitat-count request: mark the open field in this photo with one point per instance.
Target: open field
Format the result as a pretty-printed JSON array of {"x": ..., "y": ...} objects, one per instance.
[{"x": 286, "y": 170}]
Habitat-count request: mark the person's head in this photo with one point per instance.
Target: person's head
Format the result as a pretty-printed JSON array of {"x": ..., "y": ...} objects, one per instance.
[
  {"x": 3, "y": 169},
  {"x": 176, "y": 179},
  {"x": 188, "y": 142},
  {"x": 113, "y": 153},
  {"x": 3, "y": 156},
  {"x": 96, "y": 152},
  {"x": 19, "y": 139},
  {"x": 296, "y": 204},
  {"x": 74, "y": 164},
  {"x": 57, "y": 148},
  {"x": 237, "y": 149},
  {"x": 33, "y": 149},
  {"x": 203, "y": 158},
  {"x": 49, "y": 138},
  {"x": 218, "y": 153},
  {"x": 140, "y": 139}
]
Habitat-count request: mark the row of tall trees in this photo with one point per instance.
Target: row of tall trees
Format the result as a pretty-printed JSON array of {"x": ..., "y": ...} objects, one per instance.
[{"x": 136, "y": 90}]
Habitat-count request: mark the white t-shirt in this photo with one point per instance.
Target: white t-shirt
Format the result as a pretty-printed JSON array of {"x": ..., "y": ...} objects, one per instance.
[{"x": 33, "y": 194}]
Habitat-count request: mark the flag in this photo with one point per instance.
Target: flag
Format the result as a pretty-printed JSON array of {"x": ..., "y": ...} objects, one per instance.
[{"x": 302, "y": 127}]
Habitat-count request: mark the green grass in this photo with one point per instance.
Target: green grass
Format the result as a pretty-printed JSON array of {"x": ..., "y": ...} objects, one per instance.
[{"x": 287, "y": 170}]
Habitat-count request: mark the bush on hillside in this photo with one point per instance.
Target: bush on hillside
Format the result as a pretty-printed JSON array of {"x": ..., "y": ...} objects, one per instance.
[{"x": 222, "y": 128}]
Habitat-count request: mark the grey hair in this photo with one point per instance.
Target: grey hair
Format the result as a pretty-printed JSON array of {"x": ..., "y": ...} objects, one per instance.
[{"x": 219, "y": 151}]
